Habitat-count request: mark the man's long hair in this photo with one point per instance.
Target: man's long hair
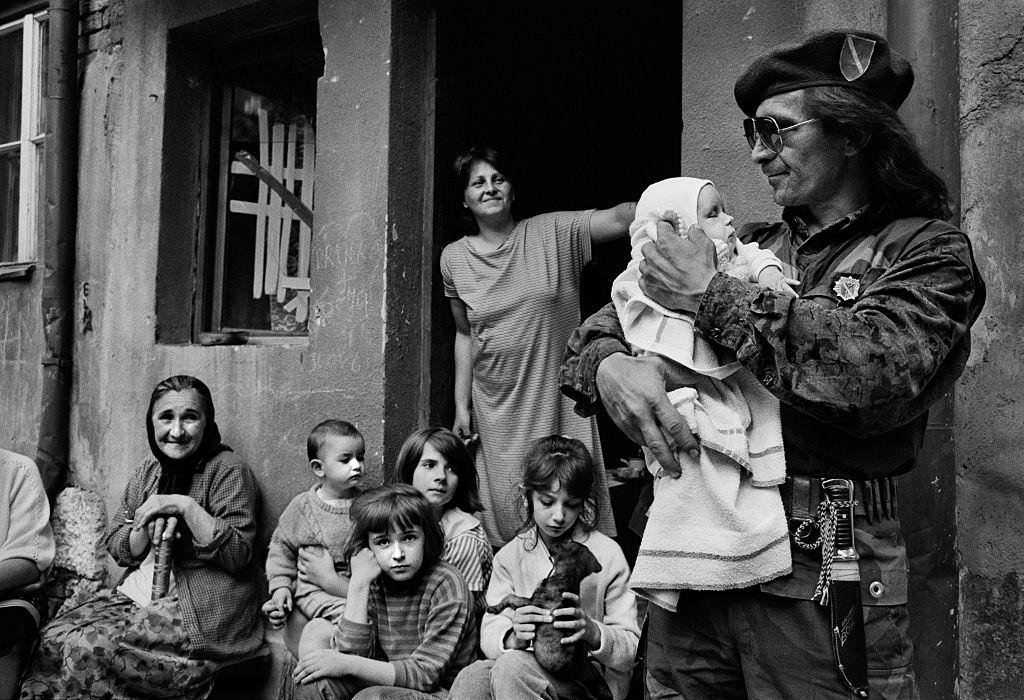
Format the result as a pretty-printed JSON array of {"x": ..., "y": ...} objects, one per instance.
[{"x": 901, "y": 179}]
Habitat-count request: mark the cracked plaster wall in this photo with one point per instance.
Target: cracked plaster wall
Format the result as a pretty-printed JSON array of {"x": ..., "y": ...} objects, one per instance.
[{"x": 989, "y": 410}]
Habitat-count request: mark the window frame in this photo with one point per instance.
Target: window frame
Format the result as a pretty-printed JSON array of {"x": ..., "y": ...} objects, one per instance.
[
  {"x": 30, "y": 143},
  {"x": 201, "y": 55},
  {"x": 219, "y": 206}
]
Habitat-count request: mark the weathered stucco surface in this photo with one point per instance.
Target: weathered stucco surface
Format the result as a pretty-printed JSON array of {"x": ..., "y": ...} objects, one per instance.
[
  {"x": 21, "y": 349},
  {"x": 267, "y": 397},
  {"x": 989, "y": 411}
]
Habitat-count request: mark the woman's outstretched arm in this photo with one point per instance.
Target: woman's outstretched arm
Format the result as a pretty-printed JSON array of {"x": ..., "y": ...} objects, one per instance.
[{"x": 609, "y": 224}]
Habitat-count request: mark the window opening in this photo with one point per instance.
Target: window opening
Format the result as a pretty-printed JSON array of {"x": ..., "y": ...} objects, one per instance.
[
  {"x": 265, "y": 185},
  {"x": 22, "y": 135}
]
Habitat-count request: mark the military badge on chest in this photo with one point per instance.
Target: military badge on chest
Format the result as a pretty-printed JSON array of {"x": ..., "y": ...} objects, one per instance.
[{"x": 847, "y": 288}]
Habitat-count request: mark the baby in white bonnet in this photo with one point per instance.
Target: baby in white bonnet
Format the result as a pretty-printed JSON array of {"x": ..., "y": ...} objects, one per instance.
[
  {"x": 719, "y": 524},
  {"x": 685, "y": 201}
]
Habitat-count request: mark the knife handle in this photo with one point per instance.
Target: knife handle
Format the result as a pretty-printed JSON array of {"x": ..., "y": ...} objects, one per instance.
[{"x": 841, "y": 490}]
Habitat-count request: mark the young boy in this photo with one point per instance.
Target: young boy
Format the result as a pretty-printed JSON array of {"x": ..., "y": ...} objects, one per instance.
[{"x": 305, "y": 561}]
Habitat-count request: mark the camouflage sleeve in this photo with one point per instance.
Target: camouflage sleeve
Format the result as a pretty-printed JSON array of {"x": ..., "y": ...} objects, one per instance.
[
  {"x": 862, "y": 367},
  {"x": 597, "y": 337}
]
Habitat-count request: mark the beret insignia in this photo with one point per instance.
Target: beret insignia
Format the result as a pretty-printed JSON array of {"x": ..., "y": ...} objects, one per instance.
[{"x": 855, "y": 56}]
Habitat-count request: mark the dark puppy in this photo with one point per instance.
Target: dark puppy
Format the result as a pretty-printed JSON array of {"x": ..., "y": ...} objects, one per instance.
[{"x": 573, "y": 562}]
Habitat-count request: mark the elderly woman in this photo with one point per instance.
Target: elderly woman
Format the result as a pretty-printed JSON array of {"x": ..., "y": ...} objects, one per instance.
[
  {"x": 514, "y": 289},
  {"x": 202, "y": 497}
]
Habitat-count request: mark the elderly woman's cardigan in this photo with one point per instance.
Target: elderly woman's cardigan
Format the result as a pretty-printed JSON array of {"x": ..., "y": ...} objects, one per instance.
[{"x": 215, "y": 582}]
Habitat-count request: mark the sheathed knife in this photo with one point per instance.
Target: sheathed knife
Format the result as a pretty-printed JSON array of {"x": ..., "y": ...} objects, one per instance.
[{"x": 848, "y": 642}]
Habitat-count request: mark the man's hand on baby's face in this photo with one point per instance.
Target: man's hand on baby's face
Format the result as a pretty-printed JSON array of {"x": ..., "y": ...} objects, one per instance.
[{"x": 676, "y": 270}]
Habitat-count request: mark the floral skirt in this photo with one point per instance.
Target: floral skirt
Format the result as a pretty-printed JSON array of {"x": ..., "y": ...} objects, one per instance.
[{"x": 108, "y": 647}]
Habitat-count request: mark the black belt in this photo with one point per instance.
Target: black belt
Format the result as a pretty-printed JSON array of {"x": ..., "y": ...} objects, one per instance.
[{"x": 876, "y": 498}]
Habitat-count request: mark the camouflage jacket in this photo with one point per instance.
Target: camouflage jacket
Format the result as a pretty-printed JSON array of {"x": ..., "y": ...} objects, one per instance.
[{"x": 879, "y": 332}]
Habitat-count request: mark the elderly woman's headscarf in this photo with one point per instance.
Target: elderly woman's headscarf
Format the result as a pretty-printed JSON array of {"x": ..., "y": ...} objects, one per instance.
[{"x": 176, "y": 474}]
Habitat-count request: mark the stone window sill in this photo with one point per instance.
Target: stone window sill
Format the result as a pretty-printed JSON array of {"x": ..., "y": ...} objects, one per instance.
[{"x": 16, "y": 270}]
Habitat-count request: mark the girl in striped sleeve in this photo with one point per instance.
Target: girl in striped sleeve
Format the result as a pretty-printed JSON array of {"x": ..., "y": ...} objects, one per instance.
[
  {"x": 436, "y": 462},
  {"x": 408, "y": 620}
]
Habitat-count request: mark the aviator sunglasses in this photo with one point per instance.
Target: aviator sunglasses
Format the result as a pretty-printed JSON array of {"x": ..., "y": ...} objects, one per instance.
[{"x": 767, "y": 129}]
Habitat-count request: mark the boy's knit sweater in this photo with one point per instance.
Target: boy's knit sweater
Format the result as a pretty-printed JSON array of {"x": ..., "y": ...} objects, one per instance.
[
  {"x": 427, "y": 631},
  {"x": 308, "y": 521}
]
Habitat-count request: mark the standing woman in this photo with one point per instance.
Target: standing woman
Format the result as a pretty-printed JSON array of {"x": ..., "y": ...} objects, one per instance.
[
  {"x": 197, "y": 493},
  {"x": 514, "y": 288}
]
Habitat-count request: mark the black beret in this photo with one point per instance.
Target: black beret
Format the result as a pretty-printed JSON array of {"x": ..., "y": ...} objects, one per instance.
[{"x": 847, "y": 58}]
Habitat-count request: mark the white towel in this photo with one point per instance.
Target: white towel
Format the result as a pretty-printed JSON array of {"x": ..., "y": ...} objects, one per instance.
[{"x": 721, "y": 524}]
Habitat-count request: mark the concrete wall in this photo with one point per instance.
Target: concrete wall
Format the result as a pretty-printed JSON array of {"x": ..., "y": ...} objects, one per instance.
[
  {"x": 989, "y": 408},
  {"x": 267, "y": 397},
  {"x": 21, "y": 349}
]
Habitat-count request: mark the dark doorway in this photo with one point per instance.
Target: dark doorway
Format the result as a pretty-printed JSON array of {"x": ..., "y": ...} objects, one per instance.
[{"x": 585, "y": 100}]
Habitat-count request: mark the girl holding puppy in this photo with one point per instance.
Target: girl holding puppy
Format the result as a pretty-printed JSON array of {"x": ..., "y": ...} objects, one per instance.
[
  {"x": 558, "y": 503},
  {"x": 408, "y": 621}
]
